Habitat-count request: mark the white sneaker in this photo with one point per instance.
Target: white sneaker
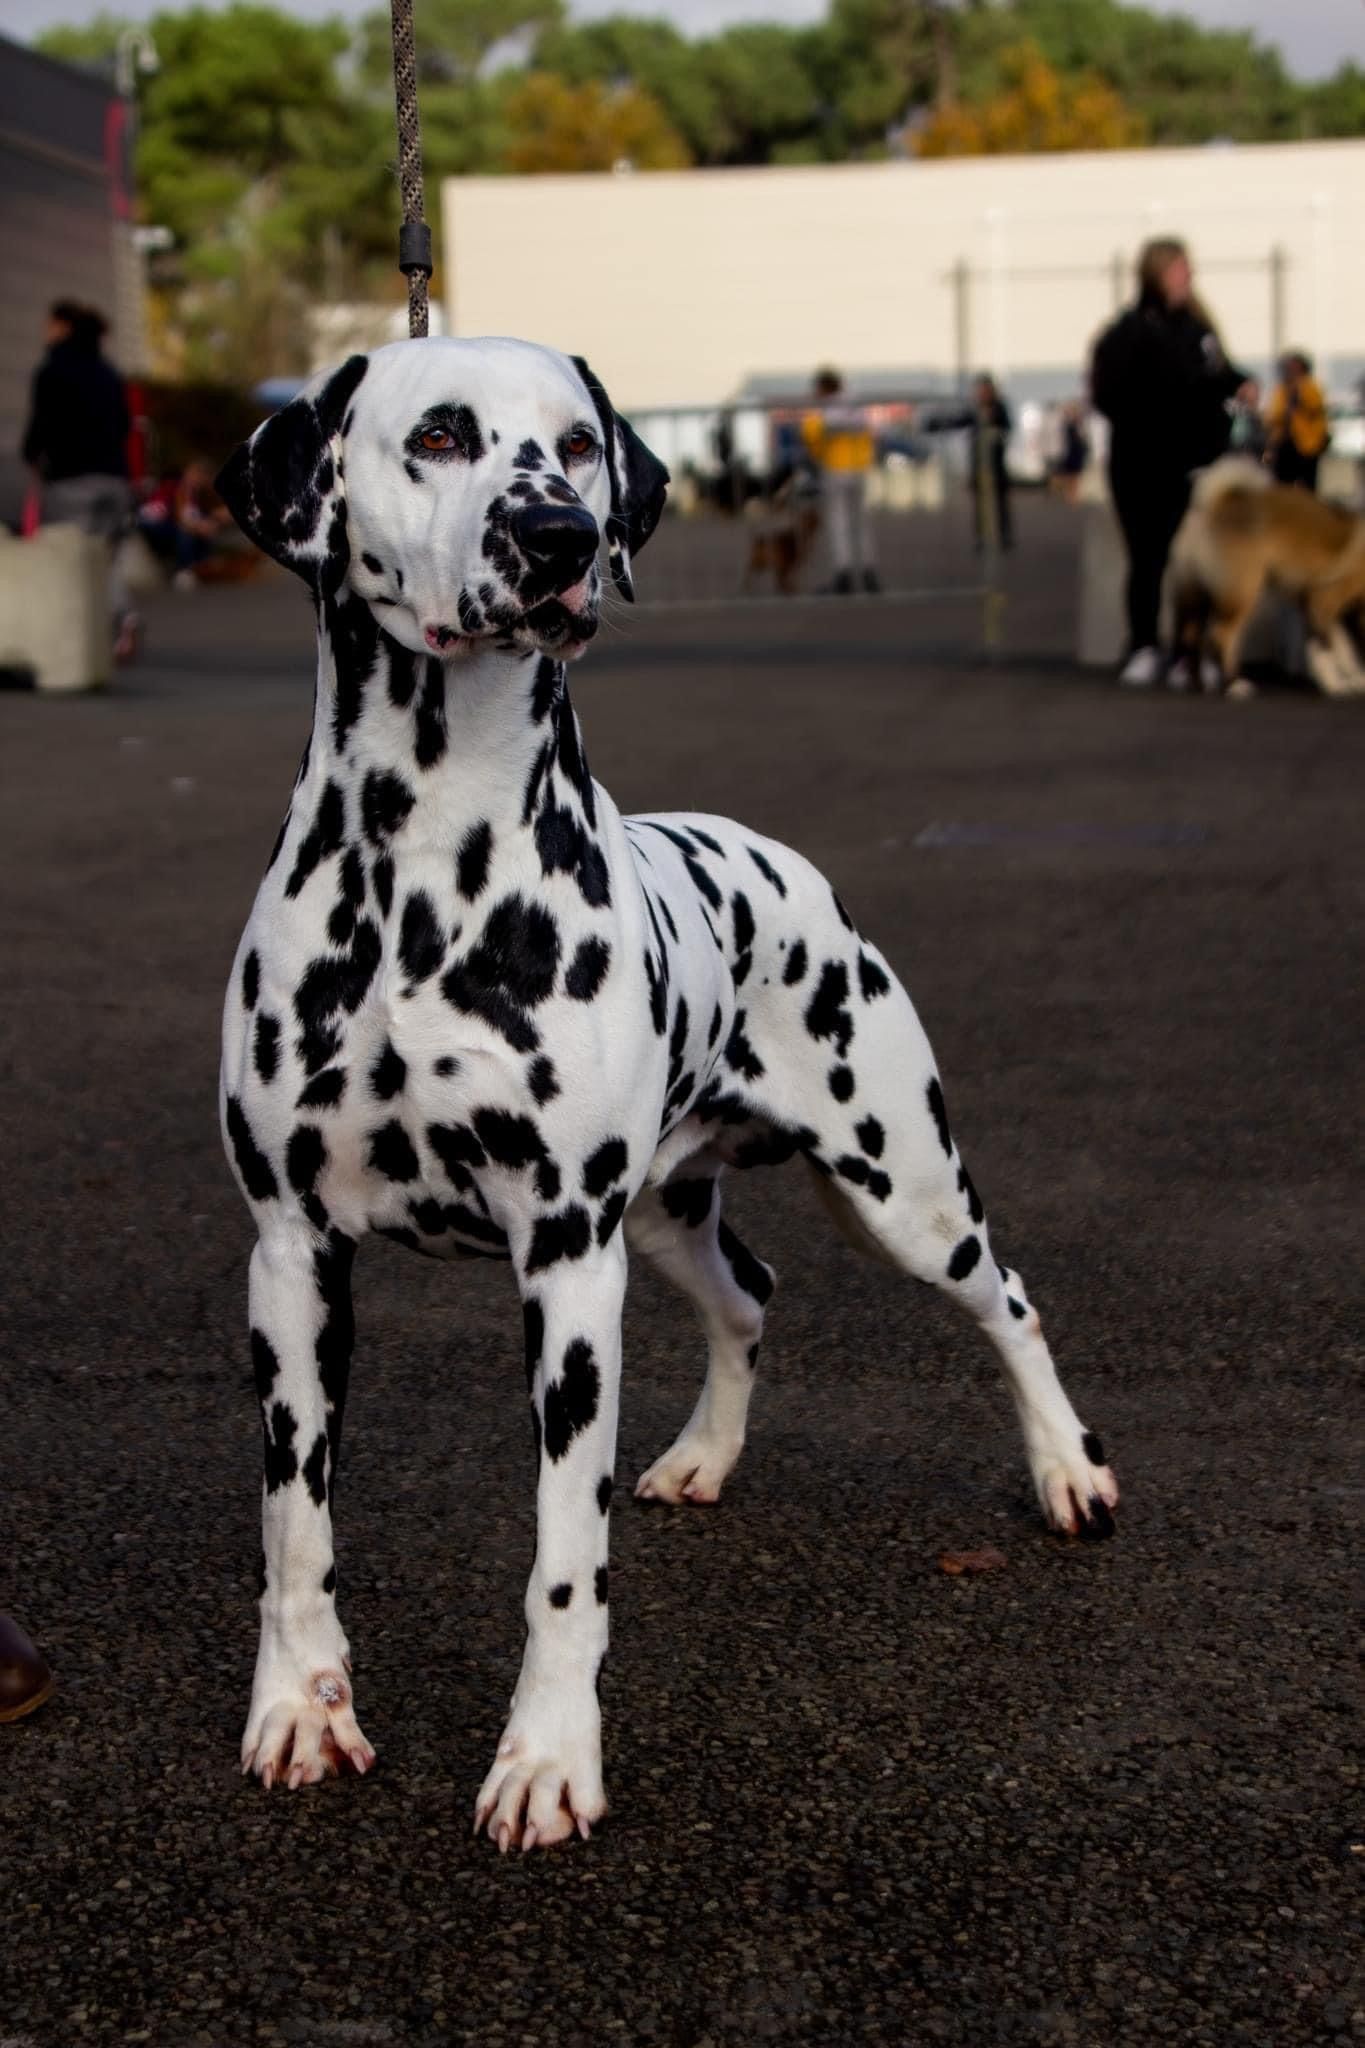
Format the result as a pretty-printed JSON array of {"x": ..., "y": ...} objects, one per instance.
[
  {"x": 1180, "y": 675},
  {"x": 1210, "y": 676},
  {"x": 184, "y": 579},
  {"x": 1142, "y": 669}
]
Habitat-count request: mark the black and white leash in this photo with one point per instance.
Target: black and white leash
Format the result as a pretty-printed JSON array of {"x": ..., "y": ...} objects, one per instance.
[{"x": 414, "y": 236}]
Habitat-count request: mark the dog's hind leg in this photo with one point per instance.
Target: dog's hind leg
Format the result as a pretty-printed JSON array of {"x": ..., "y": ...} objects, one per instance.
[
  {"x": 831, "y": 1051},
  {"x": 301, "y": 1724},
  {"x": 918, "y": 1211},
  {"x": 1331, "y": 654},
  {"x": 680, "y": 1229},
  {"x": 546, "y": 1778}
]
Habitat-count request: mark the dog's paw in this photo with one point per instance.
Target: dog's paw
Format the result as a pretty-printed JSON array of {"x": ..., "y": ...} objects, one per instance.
[
  {"x": 694, "y": 1470},
  {"x": 299, "y": 1733},
  {"x": 546, "y": 1780},
  {"x": 1076, "y": 1488}
]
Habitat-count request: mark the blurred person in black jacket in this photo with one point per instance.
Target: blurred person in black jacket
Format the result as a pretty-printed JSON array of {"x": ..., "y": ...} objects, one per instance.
[
  {"x": 76, "y": 443},
  {"x": 989, "y": 425},
  {"x": 1162, "y": 380}
]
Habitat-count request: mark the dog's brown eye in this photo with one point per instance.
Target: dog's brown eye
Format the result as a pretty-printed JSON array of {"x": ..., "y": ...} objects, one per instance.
[
  {"x": 580, "y": 444},
  {"x": 436, "y": 438}
]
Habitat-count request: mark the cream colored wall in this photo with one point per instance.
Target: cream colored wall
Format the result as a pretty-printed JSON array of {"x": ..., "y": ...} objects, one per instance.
[{"x": 680, "y": 285}]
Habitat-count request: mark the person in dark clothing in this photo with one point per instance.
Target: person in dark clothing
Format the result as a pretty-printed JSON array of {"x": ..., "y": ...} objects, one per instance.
[
  {"x": 1160, "y": 377},
  {"x": 76, "y": 443},
  {"x": 989, "y": 426}
]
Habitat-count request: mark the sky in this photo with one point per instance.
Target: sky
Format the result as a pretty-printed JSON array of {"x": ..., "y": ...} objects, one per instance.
[{"x": 1315, "y": 35}]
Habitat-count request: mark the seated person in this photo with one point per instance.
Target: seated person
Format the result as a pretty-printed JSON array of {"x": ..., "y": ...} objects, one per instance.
[{"x": 200, "y": 517}]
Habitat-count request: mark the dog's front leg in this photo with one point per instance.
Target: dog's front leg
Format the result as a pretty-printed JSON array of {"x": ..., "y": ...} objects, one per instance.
[
  {"x": 547, "y": 1775},
  {"x": 301, "y": 1724}
]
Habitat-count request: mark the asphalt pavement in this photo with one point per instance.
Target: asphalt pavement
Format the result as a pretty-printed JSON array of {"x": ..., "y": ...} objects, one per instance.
[{"x": 1106, "y": 1795}]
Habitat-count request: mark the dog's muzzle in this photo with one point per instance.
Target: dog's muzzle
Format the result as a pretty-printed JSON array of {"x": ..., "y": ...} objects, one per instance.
[
  {"x": 560, "y": 544},
  {"x": 557, "y": 612}
]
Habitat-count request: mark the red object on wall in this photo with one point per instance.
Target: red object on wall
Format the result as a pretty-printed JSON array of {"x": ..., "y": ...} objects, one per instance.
[{"x": 137, "y": 432}]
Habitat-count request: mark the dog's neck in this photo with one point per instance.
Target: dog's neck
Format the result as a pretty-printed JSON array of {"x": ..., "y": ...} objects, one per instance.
[{"x": 435, "y": 747}]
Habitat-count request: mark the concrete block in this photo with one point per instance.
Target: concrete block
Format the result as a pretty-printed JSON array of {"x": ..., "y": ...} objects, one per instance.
[{"x": 54, "y": 608}]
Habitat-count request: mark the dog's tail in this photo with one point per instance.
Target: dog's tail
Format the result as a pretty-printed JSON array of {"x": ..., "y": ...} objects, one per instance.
[{"x": 1230, "y": 473}]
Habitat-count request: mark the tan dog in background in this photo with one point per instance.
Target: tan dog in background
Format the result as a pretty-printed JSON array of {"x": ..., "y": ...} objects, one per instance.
[{"x": 1245, "y": 533}]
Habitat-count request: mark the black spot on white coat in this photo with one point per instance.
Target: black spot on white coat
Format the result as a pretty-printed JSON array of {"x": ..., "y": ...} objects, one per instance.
[
  {"x": 587, "y": 970},
  {"x": 938, "y": 1110},
  {"x": 385, "y": 801},
  {"x": 471, "y": 860},
  {"x": 571, "y": 1400},
  {"x": 509, "y": 972},
  {"x": 388, "y": 1074},
  {"x": 565, "y": 1234},
  {"x": 421, "y": 941},
  {"x": 266, "y": 1051},
  {"x": 965, "y": 1258},
  {"x": 258, "y": 1176}
]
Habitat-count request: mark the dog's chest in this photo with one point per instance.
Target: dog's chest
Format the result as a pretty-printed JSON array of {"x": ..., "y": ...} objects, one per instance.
[{"x": 509, "y": 1053}]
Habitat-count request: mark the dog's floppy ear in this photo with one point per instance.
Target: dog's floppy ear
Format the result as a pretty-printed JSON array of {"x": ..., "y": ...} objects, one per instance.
[
  {"x": 639, "y": 484},
  {"x": 284, "y": 488}
]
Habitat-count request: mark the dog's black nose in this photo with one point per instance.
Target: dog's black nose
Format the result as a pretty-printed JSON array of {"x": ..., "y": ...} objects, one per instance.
[{"x": 558, "y": 539}]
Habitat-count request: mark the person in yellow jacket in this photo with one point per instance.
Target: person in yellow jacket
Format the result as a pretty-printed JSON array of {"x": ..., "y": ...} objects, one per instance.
[
  {"x": 1296, "y": 422},
  {"x": 839, "y": 442}
]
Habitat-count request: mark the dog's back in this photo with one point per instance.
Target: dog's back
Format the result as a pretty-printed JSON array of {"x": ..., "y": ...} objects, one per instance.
[{"x": 1243, "y": 525}]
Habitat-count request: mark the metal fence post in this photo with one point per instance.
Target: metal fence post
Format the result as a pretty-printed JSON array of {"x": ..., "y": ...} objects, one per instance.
[{"x": 1279, "y": 263}]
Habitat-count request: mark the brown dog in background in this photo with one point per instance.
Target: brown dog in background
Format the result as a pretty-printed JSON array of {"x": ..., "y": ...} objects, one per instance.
[
  {"x": 784, "y": 538},
  {"x": 1245, "y": 533}
]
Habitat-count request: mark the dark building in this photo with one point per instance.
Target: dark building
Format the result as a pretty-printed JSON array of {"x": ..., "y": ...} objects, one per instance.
[{"x": 64, "y": 231}]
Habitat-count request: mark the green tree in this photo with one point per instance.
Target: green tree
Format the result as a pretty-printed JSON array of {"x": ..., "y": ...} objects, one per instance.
[
  {"x": 1336, "y": 107},
  {"x": 272, "y": 173},
  {"x": 94, "y": 44},
  {"x": 765, "y": 90},
  {"x": 1187, "y": 83}
]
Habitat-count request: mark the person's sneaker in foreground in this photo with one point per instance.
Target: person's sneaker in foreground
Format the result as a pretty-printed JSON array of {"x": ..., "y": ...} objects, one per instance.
[
  {"x": 25, "y": 1677},
  {"x": 1142, "y": 669}
]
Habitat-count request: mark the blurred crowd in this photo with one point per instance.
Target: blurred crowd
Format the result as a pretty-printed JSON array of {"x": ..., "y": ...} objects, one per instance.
[{"x": 1164, "y": 399}]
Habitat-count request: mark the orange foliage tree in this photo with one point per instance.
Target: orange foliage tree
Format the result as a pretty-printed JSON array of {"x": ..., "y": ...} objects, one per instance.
[
  {"x": 552, "y": 125},
  {"x": 1036, "y": 109}
]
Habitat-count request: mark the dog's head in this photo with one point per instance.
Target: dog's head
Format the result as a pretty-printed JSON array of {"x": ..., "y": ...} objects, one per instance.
[{"x": 461, "y": 488}]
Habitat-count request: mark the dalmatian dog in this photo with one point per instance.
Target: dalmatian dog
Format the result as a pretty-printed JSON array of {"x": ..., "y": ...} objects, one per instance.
[{"x": 477, "y": 1011}]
